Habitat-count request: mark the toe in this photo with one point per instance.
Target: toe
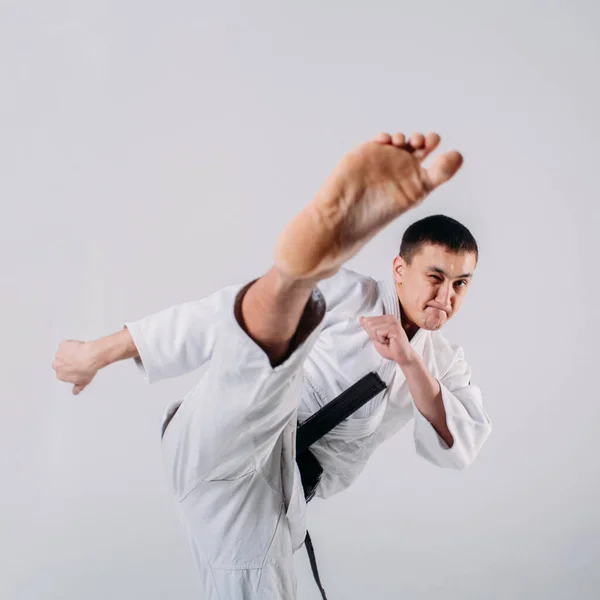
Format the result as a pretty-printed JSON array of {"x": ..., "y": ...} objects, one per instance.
[
  {"x": 398, "y": 139},
  {"x": 417, "y": 141},
  {"x": 432, "y": 141},
  {"x": 383, "y": 138}
]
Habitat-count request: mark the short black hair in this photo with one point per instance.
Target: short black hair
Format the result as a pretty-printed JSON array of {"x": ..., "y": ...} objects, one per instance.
[{"x": 437, "y": 230}]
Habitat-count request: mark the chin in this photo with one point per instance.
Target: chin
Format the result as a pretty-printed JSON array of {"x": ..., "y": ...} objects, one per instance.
[
  {"x": 433, "y": 324},
  {"x": 435, "y": 327}
]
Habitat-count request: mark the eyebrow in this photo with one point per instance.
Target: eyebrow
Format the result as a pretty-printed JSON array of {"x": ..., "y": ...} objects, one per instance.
[{"x": 438, "y": 270}]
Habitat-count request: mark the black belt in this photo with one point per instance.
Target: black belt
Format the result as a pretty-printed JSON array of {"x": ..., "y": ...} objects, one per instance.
[{"x": 320, "y": 424}]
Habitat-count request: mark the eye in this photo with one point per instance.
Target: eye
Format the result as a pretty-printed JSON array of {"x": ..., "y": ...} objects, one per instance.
[
  {"x": 464, "y": 283},
  {"x": 436, "y": 277}
]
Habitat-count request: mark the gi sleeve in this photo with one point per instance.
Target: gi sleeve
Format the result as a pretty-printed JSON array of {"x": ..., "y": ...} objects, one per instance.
[
  {"x": 467, "y": 421},
  {"x": 346, "y": 294},
  {"x": 179, "y": 339}
]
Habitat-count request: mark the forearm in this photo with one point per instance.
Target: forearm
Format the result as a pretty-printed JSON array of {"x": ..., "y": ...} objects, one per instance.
[
  {"x": 427, "y": 395},
  {"x": 113, "y": 348}
]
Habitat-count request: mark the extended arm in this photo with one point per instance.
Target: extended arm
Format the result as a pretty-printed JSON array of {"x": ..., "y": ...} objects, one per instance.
[
  {"x": 78, "y": 362},
  {"x": 168, "y": 343}
]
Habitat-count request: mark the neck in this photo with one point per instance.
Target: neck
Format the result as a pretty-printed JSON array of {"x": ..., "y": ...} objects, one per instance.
[{"x": 409, "y": 327}]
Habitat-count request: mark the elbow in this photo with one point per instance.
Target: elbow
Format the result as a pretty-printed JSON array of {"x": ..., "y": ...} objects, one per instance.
[
  {"x": 471, "y": 447},
  {"x": 463, "y": 452}
]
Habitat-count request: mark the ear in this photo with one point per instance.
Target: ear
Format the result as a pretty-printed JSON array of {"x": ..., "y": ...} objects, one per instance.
[{"x": 398, "y": 266}]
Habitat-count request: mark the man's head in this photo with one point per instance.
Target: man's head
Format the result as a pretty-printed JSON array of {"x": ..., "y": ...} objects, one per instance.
[{"x": 433, "y": 271}]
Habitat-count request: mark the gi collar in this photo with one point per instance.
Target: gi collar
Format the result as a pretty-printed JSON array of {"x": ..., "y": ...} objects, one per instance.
[{"x": 387, "y": 288}]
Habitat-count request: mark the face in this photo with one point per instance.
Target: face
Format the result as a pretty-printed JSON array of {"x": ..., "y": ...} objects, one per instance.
[{"x": 433, "y": 287}]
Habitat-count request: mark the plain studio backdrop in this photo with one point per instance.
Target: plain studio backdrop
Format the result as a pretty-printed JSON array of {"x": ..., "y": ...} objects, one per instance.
[{"x": 150, "y": 153}]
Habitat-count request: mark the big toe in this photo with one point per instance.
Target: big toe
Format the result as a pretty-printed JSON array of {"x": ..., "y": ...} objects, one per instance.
[{"x": 444, "y": 168}]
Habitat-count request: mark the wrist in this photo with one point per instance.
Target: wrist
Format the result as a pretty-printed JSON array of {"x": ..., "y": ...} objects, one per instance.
[
  {"x": 408, "y": 358},
  {"x": 110, "y": 349},
  {"x": 98, "y": 354}
]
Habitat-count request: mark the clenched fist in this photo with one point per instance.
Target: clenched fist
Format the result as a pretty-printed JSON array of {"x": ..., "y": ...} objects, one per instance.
[
  {"x": 389, "y": 338},
  {"x": 75, "y": 363}
]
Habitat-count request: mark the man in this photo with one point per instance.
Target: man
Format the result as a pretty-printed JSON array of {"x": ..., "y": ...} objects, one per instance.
[{"x": 282, "y": 346}]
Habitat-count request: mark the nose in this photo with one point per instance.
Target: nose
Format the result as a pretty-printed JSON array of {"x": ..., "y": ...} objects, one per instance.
[{"x": 444, "y": 296}]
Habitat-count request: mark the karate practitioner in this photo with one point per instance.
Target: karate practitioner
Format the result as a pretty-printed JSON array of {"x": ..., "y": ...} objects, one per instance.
[{"x": 277, "y": 349}]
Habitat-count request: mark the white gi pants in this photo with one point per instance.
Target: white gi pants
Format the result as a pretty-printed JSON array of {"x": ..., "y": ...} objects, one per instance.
[{"x": 227, "y": 457}]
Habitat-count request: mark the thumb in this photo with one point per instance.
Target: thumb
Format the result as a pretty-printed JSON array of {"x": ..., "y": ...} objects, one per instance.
[
  {"x": 444, "y": 168},
  {"x": 77, "y": 389}
]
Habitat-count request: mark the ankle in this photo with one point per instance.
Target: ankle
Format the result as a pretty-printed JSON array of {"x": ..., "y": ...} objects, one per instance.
[{"x": 285, "y": 283}]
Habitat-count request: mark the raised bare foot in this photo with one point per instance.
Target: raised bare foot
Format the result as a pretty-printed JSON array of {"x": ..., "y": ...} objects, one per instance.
[{"x": 371, "y": 186}]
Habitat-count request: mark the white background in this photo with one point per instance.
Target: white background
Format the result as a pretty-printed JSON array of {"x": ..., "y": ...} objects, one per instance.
[{"x": 150, "y": 152}]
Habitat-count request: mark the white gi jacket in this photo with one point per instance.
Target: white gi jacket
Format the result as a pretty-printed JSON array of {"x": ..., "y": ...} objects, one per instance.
[{"x": 179, "y": 339}]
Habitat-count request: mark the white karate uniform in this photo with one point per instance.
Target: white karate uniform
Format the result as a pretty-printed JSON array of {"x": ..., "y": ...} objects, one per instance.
[{"x": 229, "y": 446}]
